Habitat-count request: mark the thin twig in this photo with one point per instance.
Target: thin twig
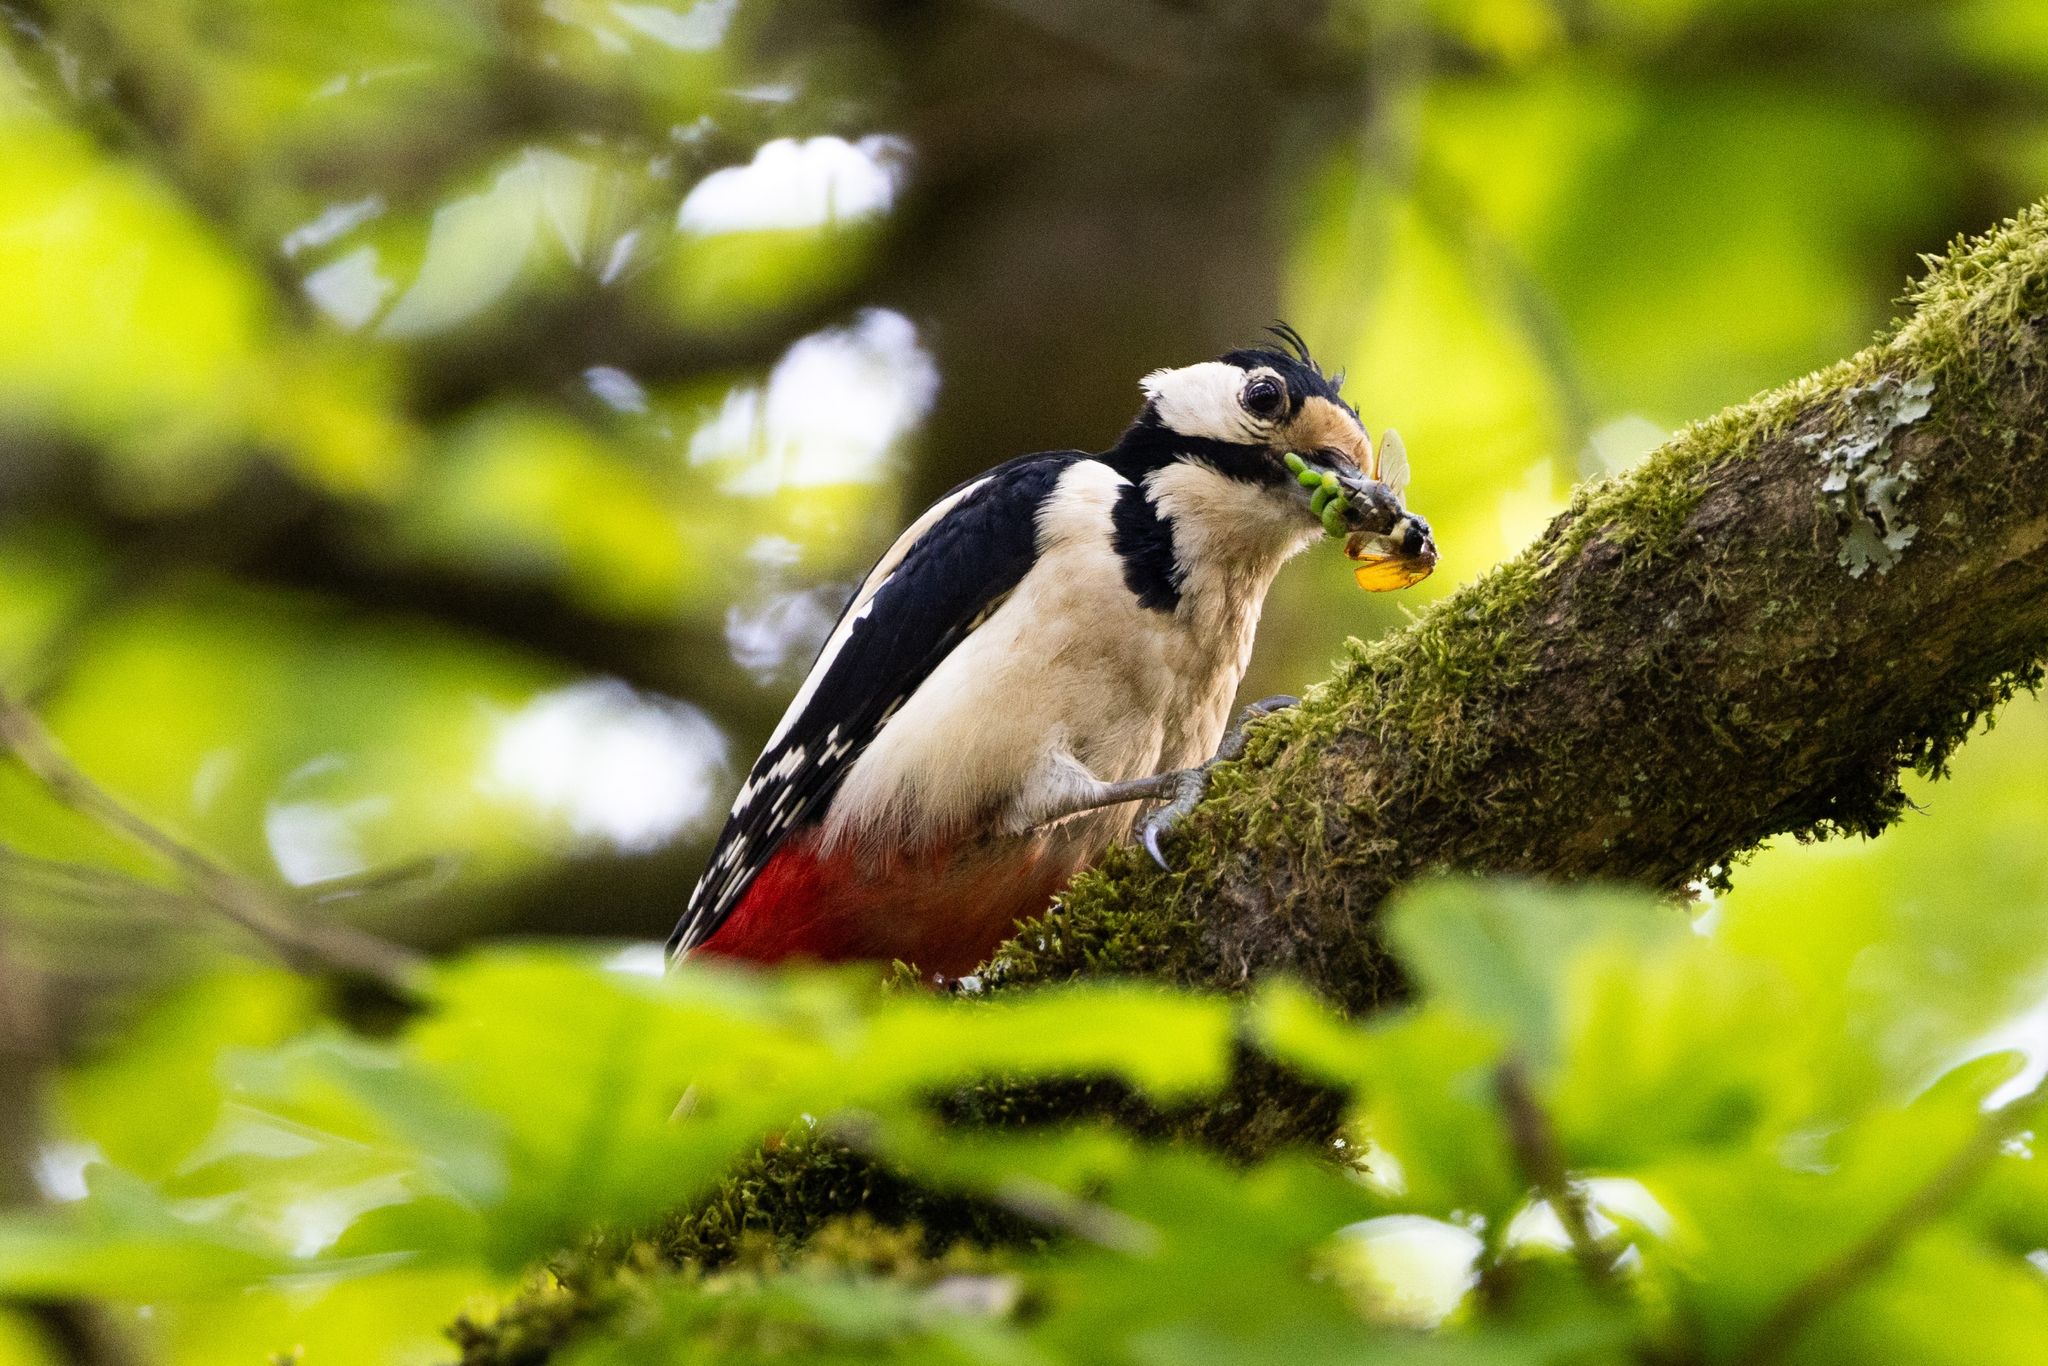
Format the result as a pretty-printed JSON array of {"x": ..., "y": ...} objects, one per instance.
[
  {"x": 303, "y": 945},
  {"x": 84, "y": 1333},
  {"x": 83, "y": 882},
  {"x": 1865, "y": 1258},
  {"x": 1490, "y": 261},
  {"x": 1534, "y": 1142},
  {"x": 415, "y": 877}
]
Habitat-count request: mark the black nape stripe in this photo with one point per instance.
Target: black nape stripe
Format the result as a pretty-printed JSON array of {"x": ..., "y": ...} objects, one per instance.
[
  {"x": 1144, "y": 541},
  {"x": 1148, "y": 446}
]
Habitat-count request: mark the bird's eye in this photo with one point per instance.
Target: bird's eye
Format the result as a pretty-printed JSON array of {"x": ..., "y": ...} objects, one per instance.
[{"x": 1265, "y": 397}]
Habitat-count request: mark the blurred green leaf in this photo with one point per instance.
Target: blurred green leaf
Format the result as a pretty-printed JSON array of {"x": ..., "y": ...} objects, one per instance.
[
  {"x": 1755, "y": 1225},
  {"x": 124, "y": 312},
  {"x": 1500, "y": 952},
  {"x": 751, "y": 1055},
  {"x": 122, "y": 1240},
  {"x": 1912, "y": 947},
  {"x": 1425, "y": 1086},
  {"x": 146, "y": 1105},
  {"x": 723, "y": 279},
  {"x": 394, "y": 1317},
  {"x": 1944, "y": 1301},
  {"x": 538, "y": 209},
  {"x": 21, "y": 1344},
  {"x": 1678, "y": 1045},
  {"x": 2009, "y": 1206},
  {"x": 530, "y": 496},
  {"x": 47, "y": 575}
]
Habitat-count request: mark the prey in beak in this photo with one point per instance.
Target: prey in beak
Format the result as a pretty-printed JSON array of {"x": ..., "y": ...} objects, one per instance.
[{"x": 1365, "y": 506}]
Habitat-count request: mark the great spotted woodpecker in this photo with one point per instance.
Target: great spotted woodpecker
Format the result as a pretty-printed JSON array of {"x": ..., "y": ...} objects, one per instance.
[{"x": 1045, "y": 649}]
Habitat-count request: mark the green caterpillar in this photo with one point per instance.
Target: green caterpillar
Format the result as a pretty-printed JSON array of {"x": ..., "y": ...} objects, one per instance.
[{"x": 1328, "y": 501}]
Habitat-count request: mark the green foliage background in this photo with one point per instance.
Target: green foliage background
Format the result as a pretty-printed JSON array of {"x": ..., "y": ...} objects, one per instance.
[
  {"x": 413, "y": 455},
  {"x": 1745, "y": 1127}
]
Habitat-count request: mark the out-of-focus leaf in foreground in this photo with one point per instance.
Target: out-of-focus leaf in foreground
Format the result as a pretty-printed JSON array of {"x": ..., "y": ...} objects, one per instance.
[
  {"x": 543, "y": 1096},
  {"x": 540, "y": 1096}
]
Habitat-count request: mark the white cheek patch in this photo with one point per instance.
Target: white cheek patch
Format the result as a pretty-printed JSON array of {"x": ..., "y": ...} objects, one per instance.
[
  {"x": 1221, "y": 525},
  {"x": 1202, "y": 400}
]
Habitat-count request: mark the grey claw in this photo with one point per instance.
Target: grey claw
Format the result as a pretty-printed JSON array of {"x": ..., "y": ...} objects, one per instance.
[
  {"x": 1149, "y": 837},
  {"x": 1194, "y": 782},
  {"x": 1235, "y": 739}
]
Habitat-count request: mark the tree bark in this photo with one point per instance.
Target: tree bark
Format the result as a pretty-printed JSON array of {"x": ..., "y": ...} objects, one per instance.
[{"x": 1755, "y": 632}]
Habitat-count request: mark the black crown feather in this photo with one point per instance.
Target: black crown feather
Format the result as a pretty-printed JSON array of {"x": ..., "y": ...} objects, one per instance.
[
  {"x": 1295, "y": 346},
  {"x": 1292, "y": 340}
]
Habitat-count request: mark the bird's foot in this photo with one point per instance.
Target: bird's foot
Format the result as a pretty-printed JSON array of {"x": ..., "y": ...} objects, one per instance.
[{"x": 1190, "y": 784}]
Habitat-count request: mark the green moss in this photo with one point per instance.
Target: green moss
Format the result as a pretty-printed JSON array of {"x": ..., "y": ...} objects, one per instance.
[
  {"x": 1970, "y": 326},
  {"x": 802, "y": 1199},
  {"x": 1480, "y": 736},
  {"x": 587, "y": 1287},
  {"x": 1408, "y": 754},
  {"x": 620, "y": 1291},
  {"x": 1140, "y": 926},
  {"x": 791, "y": 1189}
]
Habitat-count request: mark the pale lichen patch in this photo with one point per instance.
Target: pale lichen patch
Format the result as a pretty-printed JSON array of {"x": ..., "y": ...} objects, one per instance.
[{"x": 1859, "y": 483}]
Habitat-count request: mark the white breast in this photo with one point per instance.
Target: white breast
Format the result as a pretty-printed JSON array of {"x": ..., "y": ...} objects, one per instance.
[
  {"x": 1232, "y": 537},
  {"x": 1071, "y": 680}
]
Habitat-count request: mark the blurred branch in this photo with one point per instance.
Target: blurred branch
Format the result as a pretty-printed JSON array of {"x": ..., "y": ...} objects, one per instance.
[
  {"x": 304, "y": 945},
  {"x": 1713, "y": 649},
  {"x": 1496, "y": 267},
  {"x": 23, "y": 1045},
  {"x": 271, "y": 529},
  {"x": 1145, "y": 39},
  {"x": 86, "y": 1334},
  {"x": 1533, "y": 1140},
  {"x": 99, "y": 886},
  {"x": 1869, "y": 1255}
]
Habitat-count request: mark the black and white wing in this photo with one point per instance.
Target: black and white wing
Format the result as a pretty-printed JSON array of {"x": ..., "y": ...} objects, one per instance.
[{"x": 939, "y": 581}]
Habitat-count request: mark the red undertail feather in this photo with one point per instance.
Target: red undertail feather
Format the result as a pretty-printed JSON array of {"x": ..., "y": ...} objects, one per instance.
[{"x": 944, "y": 910}]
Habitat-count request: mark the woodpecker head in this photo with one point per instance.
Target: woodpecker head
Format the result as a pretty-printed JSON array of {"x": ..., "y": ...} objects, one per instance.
[{"x": 1275, "y": 431}]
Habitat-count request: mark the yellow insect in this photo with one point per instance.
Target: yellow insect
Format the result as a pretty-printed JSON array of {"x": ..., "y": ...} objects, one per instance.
[{"x": 1405, "y": 555}]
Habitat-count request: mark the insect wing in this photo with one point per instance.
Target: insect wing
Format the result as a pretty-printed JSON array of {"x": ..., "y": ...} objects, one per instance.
[
  {"x": 1386, "y": 573},
  {"x": 1391, "y": 463}
]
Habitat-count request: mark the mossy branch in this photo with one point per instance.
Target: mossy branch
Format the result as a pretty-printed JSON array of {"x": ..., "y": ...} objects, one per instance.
[{"x": 1755, "y": 632}]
